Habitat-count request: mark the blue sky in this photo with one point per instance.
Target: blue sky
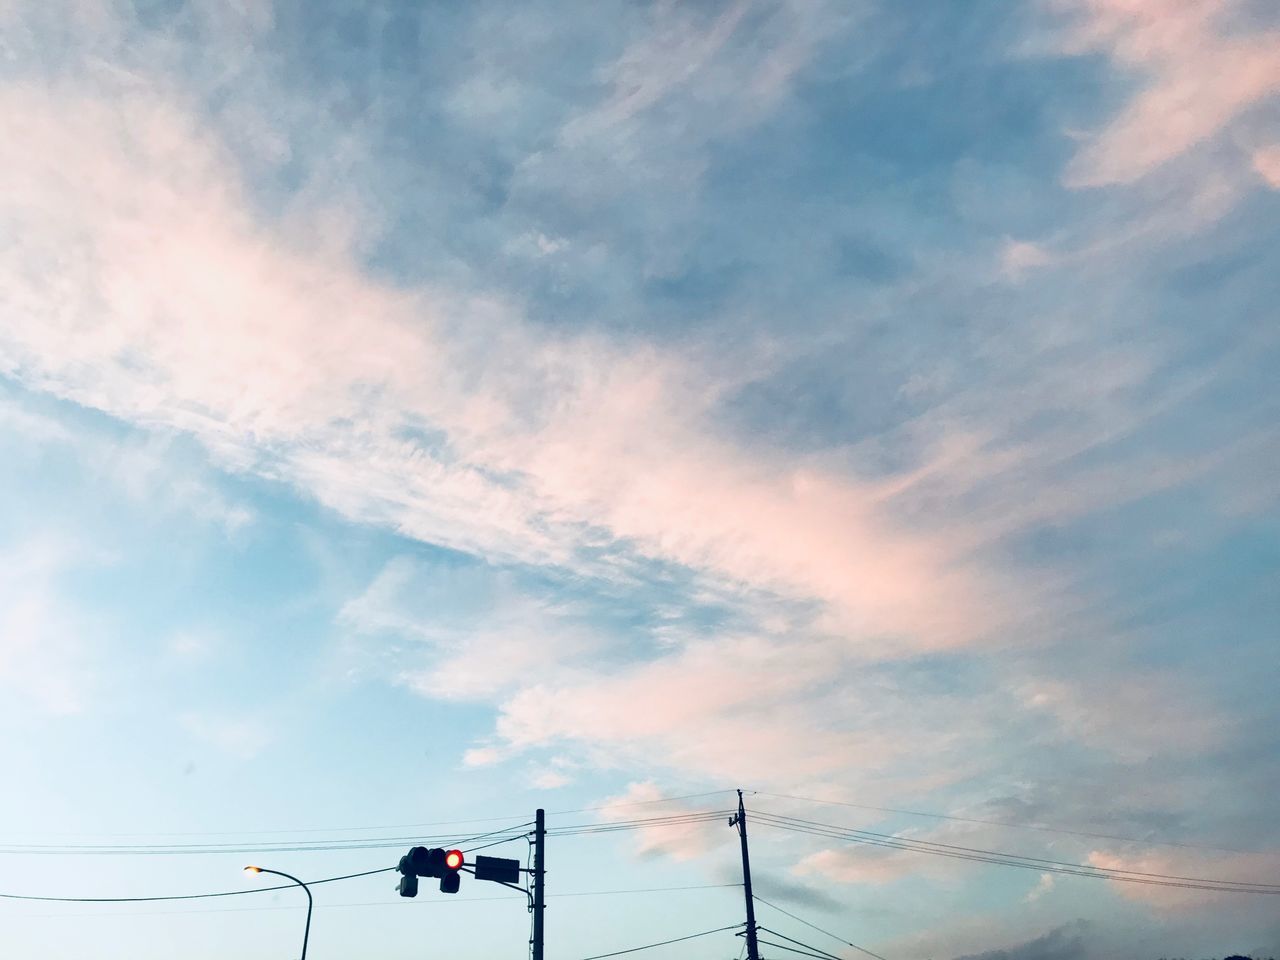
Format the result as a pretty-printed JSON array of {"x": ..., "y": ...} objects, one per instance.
[{"x": 423, "y": 413}]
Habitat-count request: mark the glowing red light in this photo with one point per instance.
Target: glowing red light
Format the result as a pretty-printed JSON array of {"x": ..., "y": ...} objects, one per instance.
[{"x": 454, "y": 859}]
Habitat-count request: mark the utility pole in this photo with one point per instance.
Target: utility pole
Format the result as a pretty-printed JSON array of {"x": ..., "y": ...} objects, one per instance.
[
  {"x": 539, "y": 870},
  {"x": 753, "y": 948}
]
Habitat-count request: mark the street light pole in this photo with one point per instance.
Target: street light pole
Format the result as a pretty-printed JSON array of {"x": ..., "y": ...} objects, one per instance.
[{"x": 306, "y": 931}]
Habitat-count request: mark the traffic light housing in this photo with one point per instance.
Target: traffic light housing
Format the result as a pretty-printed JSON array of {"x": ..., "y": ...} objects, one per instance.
[
  {"x": 408, "y": 885},
  {"x": 452, "y": 879},
  {"x": 430, "y": 862}
]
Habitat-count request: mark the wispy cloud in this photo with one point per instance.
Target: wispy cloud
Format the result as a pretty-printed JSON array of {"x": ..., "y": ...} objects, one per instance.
[
  {"x": 46, "y": 649},
  {"x": 1197, "y": 73},
  {"x": 894, "y": 538}
]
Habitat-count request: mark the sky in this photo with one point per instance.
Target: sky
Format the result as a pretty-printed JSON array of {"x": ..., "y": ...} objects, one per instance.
[{"x": 416, "y": 414}]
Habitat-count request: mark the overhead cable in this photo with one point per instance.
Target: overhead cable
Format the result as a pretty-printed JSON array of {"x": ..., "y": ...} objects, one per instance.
[
  {"x": 395, "y": 902},
  {"x": 392, "y": 826},
  {"x": 997, "y": 823},
  {"x": 663, "y": 943},
  {"x": 847, "y": 943},
  {"x": 1011, "y": 859},
  {"x": 514, "y": 831},
  {"x": 190, "y": 896},
  {"x": 804, "y": 953}
]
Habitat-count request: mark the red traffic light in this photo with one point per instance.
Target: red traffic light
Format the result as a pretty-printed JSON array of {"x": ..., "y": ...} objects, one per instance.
[{"x": 454, "y": 859}]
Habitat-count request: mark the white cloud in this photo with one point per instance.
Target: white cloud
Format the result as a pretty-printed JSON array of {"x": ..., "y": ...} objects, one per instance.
[
  {"x": 1132, "y": 718},
  {"x": 1257, "y": 867},
  {"x": 238, "y": 735},
  {"x": 1043, "y": 887},
  {"x": 46, "y": 648},
  {"x": 286, "y": 360},
  {"x": 143, "y": 281},
  {"x": 464, "y": 634},
  {"x": 1019, "y": 257},
  {"x": 678, "y": 841},
  {"x": 550, "y": 779}
]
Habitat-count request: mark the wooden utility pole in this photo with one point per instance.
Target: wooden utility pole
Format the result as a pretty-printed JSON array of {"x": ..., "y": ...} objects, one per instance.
[
  {"x": 753, "y": 948},
  {"x": 539, "y": 870}
]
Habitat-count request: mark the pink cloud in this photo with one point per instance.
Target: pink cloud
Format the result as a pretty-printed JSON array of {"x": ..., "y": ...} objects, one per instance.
[
  {"x": 178, "y": 309},
  {"x": 1259, "y": 867},
  {"x": 679, "y": 841},
  {"x": 1197, "y": 78},
  {"x": 1266, "y": 162}
]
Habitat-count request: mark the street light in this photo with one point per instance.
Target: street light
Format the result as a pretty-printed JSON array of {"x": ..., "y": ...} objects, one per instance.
[{"x": 306, "y": 931}]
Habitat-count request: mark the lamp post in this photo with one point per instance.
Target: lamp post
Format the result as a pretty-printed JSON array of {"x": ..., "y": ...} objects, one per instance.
[{"x": 306, "y": 931}]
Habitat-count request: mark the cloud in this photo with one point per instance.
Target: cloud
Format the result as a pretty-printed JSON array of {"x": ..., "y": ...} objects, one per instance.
[
  {"x": 1062, "y": 943},
  {"x": 1133, "y": 720},
  {"x": 441, "y": 416},
  {"x": 243, "y": 737},
  {"x": 463, "y": 633},
  {"x": 46, "y": 650},
  {"x": 889, "y": 580},
  {"x": 1198, "y": 76},
  {"x": 1043, "y": 886},
  {"x": 685, "y": 79},
  {"x": 770, "y": 886},
  {"x": 1266, "y": 161},
  {"x": 1250, "y": 867},
  {"x": 685, "y": 710},
  {"x": 679, "y": 841},
  {"x": 146, "y": 470},
  {"x": 873, "y": 866},
  {"x": 550, "y": 779},
  {"x": 1019, "y": 257}
]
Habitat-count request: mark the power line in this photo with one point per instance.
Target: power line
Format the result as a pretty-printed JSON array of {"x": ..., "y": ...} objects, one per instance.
[
  {"x": 663, "y": 943},
  {"x": 586, "y": 829},
  {"x": 366, "y": 843},
  {"x": 285, "y": 830},
  {"x": 393, "y": 826},
  {"x": 603, "y": 893},
  {"x": 639, "y": 803},
  {"x": 816, "y": 951},
  {"x": 803, "y": 953},
  {"x": 1016, "y": 856},
  {"x": 998, "y": 823},
  {"x": 495, "y": 843},
  {"x": 190, "y": 896},
  {"x": 1013, "y": 859},
  {"x": 847, "y": 943},
  {"x": 397, "y": 902},
  {"x": 354, "y": 843}
]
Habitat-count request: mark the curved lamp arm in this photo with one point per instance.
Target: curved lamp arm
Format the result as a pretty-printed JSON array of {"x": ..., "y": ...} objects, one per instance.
[{"x": 306, "y": 931}]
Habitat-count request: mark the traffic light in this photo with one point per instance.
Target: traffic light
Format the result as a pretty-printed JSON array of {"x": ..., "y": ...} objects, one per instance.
[
  {"x": 430, "y": 862},
  {"x": 408, "y": 885},
  {"x": 453, "y": 861}
]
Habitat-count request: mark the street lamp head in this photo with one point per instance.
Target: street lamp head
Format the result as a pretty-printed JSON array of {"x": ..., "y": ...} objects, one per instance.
[{"x": 251, "y": 870}]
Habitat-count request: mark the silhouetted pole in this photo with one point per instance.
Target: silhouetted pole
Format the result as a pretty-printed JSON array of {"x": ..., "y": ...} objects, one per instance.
[
  {"x": 753, "y": 948},
  {"x": 539, "y": 869}
]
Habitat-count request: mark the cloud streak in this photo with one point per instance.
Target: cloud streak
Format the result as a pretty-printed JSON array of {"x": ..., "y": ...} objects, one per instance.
[{"x": 1199, "y": 75}]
